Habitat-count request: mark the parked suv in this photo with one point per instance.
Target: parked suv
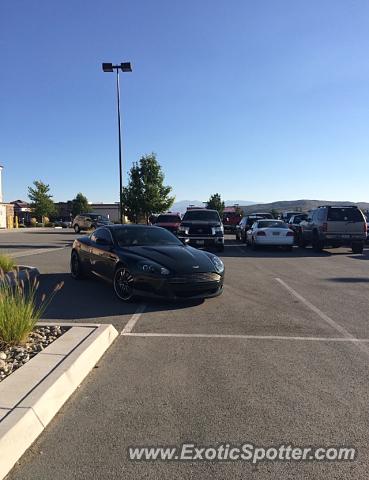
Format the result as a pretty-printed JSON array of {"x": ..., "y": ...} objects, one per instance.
[
  {"x": 90, "y": 221},
  {"x": 202, "y": 228},
  {"x": 329, "y": 226}
]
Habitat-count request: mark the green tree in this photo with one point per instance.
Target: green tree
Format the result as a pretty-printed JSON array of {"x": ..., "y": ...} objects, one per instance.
[
  {"x": 41, "y": 200},
  {"x": 80, "y": 204},
  {"x": 146, "y": 194},
  {"x": 215, "y": 203},
  {"x": 275, "y": 213}
]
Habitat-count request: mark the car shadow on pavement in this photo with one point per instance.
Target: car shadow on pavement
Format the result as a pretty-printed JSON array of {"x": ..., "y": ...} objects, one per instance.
[
  {"x": 33, "y": 246},
  {"x": 236, "y": 249},
  {"x": 349, "y": 279},
  {"x": 93, "y": 299},
  {"x": 56, "y": 232}
]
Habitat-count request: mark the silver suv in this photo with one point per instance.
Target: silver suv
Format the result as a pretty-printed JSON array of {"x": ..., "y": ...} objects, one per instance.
[
  {"x": 329, "y": 226},
  {"x": 90, "y": 221}
]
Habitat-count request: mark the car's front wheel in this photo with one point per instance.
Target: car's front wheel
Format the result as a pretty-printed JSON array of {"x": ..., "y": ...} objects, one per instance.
[
  {"x": 123, "y": 284},
  {"x": 76, "y": 269}
]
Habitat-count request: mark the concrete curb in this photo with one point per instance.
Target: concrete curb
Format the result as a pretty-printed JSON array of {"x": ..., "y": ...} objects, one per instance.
[
  {"x": 31, "y": 396},
  {"x": 24, "y": 274}
]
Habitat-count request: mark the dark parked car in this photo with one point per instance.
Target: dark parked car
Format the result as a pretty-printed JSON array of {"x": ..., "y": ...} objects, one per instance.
[
  {"x": 247, "y": 222},
  {"x": 147, "y": 261},
  {"x": 295, "y": 220},
  {"x": 330, "y": 226},
  {"x": 63, "y": 222},
  {"x": 202, "y": 228},
  {"x": 170, "y": 221},
  {"x": 89, "y": 221}
]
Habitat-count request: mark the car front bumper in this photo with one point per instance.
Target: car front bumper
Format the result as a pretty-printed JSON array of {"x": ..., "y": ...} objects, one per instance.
[
  {"x": 180, "y": 287},
  {"x": 202, "y": 241}
]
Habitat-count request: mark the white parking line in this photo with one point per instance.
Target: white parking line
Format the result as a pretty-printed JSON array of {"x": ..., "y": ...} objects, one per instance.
[
  {"x": 246, "y": 337},
  {"x": 347, "y": 335},
  {"x": 133, "y": 320},
  {"x": 27, "y": 253}
]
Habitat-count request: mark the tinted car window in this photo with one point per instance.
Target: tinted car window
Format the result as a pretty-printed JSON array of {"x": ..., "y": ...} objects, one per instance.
[
  {"x": 201, "y": 215},
  {"x": 344, "y": 215},
  {"x": 101, "y": 234},
  {"x": 144, "y": 236},
  {"x": 99, "y": 217},
  {"x": 168, "y": 219}
]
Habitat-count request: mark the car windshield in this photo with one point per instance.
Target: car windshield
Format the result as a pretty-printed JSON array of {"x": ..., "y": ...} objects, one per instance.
[
  {"x": 168, "y": 219},
  {"x": 344, "y": 215},
  {"x": 144, "y": 236},
  {"x": 272, "y": 224},
  {"x": 201, "y": 215}
]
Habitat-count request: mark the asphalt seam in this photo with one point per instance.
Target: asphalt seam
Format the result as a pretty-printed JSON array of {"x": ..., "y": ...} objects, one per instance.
[{"x": 346, "y": 334}]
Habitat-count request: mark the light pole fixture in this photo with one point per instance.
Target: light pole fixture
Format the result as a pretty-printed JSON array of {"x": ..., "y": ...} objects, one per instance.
[{"x": 109, "y": 68}]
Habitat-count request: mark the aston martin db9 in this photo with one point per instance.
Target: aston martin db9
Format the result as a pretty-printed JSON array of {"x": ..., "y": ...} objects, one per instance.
[{"x": 149, "y": 261}]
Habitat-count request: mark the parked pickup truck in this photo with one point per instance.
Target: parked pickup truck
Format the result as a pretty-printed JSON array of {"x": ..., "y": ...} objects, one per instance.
[{"x": 201, "y": 227}]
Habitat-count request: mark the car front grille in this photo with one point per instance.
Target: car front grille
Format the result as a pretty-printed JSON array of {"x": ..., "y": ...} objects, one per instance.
[
  {"x": 203, "y": 230},
  {"x": 196, "y": 278}
]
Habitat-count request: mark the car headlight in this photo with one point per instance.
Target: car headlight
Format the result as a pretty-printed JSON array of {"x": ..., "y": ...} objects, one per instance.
[
  {"x": 153, "y": 268},
  {"x": 182, "y": 229},
  {"x": 218, "y": 264},
  {"x": 217, "y": 230}
]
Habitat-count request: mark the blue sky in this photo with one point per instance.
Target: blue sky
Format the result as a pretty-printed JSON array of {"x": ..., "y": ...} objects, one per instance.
[{"x": 258, "y": 100}]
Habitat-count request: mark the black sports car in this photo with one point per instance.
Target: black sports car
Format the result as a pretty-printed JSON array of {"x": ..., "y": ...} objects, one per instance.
[{"x": 149, "y": 261}]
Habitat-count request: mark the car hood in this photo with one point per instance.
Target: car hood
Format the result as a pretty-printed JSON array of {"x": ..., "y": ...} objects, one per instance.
[{"x": 178, "y": 259}]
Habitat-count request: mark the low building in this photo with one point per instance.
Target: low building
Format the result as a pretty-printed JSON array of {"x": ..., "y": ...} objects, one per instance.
[
  {"x": 22, "y": 210},
  {"x": 110, "y": 210}
]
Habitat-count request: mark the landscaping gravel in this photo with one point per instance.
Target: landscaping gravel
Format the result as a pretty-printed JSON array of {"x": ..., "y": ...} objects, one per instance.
[{"x": 13, "y": 357}]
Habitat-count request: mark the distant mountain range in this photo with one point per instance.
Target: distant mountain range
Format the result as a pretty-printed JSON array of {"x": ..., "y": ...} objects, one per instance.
[
  {"x": 297, "y": 205},
  {"x": 182, "y": 205},
  {"x": 281, "y": 206}
]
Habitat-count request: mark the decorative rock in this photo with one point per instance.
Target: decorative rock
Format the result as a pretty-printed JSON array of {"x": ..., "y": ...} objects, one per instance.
[{"x": 13, "y": 357}]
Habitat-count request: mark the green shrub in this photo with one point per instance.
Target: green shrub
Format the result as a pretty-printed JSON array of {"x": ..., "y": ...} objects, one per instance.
[
  {"x": 49, "y": 224},
  {"x": 6, "y": 263},
  {"x": 20, "y": 310}
]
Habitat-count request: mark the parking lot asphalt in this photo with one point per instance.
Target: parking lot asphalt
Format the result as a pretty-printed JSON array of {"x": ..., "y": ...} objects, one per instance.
[{"x": 274, "y": 360}]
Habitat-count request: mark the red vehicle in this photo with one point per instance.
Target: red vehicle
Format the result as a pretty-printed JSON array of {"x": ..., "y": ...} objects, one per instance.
[
  {"x": 231, "y": 218},
  {"x": 170, "y": 221}
]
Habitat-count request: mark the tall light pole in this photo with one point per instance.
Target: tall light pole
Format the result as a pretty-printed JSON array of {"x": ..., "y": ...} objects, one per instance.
[{"x": 109, "y": 68}]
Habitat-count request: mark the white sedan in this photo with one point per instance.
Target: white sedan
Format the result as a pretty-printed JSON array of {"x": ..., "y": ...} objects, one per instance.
[{"x": 270, "y": 232}]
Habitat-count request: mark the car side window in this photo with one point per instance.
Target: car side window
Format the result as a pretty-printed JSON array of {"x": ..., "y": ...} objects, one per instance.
[{"x": 101, "y": 234}]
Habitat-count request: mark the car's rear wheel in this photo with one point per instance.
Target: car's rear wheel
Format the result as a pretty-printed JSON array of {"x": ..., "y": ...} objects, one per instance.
[
  {"x": 317, "y": 244},
  {"x": 300, "y": 240},
  {"x": 76, "y": 228},
  {"x": 357, "y": 248},
  {"x": 123, "y": 284},
  {"x": 76, "y": 268}
]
